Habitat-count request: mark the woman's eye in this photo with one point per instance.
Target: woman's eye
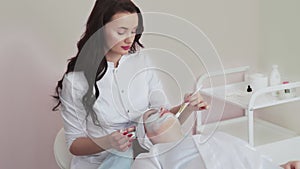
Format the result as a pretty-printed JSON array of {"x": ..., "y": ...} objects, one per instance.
[{"x": 121, "y": 33}]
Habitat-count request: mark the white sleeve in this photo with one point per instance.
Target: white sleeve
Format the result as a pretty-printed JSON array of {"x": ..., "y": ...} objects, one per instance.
[
  {"x": 72, "y": 110},
  {"x": 157, "y": 96}
]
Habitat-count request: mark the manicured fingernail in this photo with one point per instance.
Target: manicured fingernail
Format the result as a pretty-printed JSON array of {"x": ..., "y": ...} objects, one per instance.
[
  {"x": 125, "y": 133},
  {"x": 129, "y": 135}
]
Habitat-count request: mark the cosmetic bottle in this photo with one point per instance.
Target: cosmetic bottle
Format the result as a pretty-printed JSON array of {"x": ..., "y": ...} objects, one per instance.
[
  {"x": 275, "y": 79},
  {"x": 249, "y": 89}
]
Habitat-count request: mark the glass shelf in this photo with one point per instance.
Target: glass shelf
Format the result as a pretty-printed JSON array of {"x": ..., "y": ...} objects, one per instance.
[{"x": 264, "y": 131}]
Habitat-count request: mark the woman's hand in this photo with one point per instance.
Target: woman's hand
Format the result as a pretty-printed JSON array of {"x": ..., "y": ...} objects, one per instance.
[
  {"x": 121, "y": 140},
  {"x": 196, "y": 102},
  {"x": 291, "y": 165}
]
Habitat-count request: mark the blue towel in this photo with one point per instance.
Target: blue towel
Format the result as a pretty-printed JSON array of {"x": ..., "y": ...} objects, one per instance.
[{"x": 118, "y": 160}]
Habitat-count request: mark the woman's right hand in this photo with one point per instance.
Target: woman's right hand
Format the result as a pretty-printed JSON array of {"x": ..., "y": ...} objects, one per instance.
[
  {"x": 120, "y": 141},
  {"x": 291, "y": 165}
]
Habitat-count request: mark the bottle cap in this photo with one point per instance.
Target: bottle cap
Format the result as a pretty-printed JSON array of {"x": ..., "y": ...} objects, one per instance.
[
  {"x": 285, "y": 82},
  {"x": 249, "y": 89}
]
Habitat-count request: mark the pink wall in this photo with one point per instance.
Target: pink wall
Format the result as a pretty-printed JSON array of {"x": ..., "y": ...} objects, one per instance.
[
  {"x": 36, "y": 39},
  {"x": 27, "y": 125}
]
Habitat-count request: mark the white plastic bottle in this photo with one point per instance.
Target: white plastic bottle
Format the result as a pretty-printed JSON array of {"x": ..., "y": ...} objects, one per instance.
[{"x": 275, "y": 78}]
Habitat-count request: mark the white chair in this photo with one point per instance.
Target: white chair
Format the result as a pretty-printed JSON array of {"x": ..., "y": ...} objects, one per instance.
[{"x": 61, "y": 152}]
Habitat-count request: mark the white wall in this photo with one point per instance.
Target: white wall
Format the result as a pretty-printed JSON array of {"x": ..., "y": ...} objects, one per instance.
[
  {"x": 231, "y": 25},
  {"x": 279, "y": 44},
  {"x": 279, "y": 37}
]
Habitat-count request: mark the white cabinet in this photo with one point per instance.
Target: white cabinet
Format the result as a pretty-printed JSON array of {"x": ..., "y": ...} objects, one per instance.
[{"x": 256, "y": 131}]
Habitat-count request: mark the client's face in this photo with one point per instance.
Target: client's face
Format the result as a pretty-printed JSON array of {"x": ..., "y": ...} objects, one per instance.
[{"x": 161, "y": 122}]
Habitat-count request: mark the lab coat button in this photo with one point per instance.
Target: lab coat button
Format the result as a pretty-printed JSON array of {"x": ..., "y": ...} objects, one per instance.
[
  {"x": 122, "y": 91},
  {"x": 127, "y": 111}
]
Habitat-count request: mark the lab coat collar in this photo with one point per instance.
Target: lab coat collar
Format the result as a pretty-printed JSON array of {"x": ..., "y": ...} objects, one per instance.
[{"x": 122, "y": 59}]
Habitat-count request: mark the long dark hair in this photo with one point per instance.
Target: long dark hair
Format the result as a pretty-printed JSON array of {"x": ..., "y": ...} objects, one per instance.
[{"x": 91, "y": 47}]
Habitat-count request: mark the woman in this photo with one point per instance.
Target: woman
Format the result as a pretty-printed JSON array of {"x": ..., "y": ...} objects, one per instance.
[
  {"x": 160, "y": 133},
  {"x": 108, "y": 85}
]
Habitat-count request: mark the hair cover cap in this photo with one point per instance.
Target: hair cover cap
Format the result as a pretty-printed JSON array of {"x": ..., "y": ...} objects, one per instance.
[{"x": 142, "y": 138}]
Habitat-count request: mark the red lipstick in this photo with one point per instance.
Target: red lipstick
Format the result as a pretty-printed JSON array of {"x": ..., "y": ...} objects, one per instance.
[{"x": 125, "y": 47}]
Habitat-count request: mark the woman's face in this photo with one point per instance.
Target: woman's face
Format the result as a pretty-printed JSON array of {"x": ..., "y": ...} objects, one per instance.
[
  {"x": 120, "y": 33},
  {"x": 157, "y": 122}
]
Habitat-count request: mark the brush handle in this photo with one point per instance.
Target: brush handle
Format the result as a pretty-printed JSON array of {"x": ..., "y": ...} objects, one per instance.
[{"x": 183, "y": 106}]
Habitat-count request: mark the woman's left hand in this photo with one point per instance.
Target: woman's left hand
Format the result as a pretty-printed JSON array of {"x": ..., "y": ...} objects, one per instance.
[{"x": 196, "y": 102}]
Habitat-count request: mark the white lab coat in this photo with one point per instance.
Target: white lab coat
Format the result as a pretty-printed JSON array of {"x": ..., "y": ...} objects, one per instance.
[
  {"x": 125, "y": 93},
  {"x": 220, "y": 151}
]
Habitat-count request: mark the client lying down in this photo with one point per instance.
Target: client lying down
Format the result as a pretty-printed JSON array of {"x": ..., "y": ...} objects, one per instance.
[{"x": 160, "y": 133}]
